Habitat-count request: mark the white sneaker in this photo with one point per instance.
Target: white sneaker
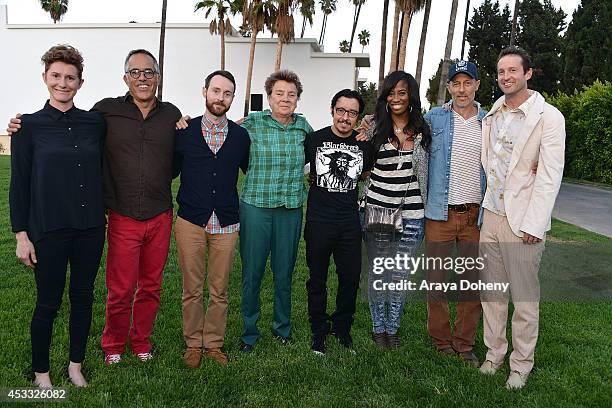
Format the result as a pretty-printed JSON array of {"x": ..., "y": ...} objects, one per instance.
[
  {"x": 111, "y": 359},
  {"x": 516, "y": 380},
  {"x": 144, "y": 356},
  {"x": 489, "y": 368}
]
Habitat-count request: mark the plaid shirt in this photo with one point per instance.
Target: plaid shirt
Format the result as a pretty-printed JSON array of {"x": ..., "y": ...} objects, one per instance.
[
  {"x": 275, "y": 177},
  {"x": 214, "y": 135}
]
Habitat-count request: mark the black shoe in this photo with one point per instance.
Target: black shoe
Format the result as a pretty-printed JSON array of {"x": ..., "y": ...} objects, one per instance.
[
  {"x": 380, "y": 339},
  {"x": 345, "y": 341},
  {"x": 282, "y": 339},
  {"x": 393, "y": 341},
  {"x": 318, "y": 345},
  {"x": 246, "y": 348}
]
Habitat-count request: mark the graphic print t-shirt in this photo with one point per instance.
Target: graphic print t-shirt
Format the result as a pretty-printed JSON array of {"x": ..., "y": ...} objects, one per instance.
[{"x": 336, "y": 163}]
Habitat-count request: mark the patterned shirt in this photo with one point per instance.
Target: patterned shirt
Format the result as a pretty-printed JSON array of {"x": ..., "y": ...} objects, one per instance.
[
  {"x": 506, "y": 126},
  {"x": 214, "y": 135},
  {"x": 464, "y": 178},
  {"x": 276, "y": 161}
]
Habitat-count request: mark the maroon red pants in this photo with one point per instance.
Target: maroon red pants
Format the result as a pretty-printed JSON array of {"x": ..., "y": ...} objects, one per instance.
[{"x": 137, "y": 253}]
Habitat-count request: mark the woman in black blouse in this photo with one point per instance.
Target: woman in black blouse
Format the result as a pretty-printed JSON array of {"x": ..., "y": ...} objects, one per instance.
[{"x": 57, "y": 209}]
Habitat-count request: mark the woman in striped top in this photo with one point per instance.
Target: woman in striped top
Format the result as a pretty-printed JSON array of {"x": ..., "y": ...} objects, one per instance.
[{"x": 401, "y": 138}]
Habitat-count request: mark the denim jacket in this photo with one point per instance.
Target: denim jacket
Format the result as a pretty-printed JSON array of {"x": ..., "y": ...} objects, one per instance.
[{"x": 441, "y": 121}]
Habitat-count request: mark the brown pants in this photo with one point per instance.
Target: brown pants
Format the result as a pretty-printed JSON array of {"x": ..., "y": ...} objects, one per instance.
[
  {"x": 192, "y": 243},
  {"x": 441, "y": 238},
  {"x": 507, "y": 259}
]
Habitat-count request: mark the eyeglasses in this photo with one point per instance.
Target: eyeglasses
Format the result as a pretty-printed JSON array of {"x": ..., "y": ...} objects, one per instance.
[
  {"x": 135, "y": 73},
  {"x": 342, "y": 111}
]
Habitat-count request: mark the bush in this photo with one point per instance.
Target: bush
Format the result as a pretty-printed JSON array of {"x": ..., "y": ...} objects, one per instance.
[{"x": 588, "y": 124}]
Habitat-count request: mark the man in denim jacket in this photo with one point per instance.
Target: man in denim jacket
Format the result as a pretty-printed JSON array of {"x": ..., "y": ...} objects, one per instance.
[{"x": 456, "y": 187}]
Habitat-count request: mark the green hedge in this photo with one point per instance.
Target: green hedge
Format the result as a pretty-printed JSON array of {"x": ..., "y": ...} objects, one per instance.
[{"x": 588, "y": 123}]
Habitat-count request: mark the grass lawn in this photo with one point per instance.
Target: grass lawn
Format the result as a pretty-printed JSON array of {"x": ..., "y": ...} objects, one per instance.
[{"x": 572, "y": 359}]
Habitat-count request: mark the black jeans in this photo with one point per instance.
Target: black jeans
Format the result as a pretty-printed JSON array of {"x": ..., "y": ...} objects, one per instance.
[
  {"x": 83, "y": 249},
  {"x": 343, "y": 241}
]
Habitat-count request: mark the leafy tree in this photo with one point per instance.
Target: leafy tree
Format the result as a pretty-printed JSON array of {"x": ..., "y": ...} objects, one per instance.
[
  {"x": 488, "y": 33},
  {"x": 55, "y": 8},
  {"x": 434, "y": 83},
  {"x": 369, "y": 93},
  {"x": 344, "y": 46},
  {"x": 588, "y": 45},
  {"x": 539, "y": 28},
  {"x": 364, "y": 39}
]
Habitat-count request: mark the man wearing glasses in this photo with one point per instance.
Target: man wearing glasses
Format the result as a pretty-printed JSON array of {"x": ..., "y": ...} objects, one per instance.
[
  {"x": 337, "y": 161},
  {"x": 137, "y": 174}
]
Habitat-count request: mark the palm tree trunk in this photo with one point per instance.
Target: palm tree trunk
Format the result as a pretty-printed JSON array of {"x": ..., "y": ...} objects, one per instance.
[
  {"x": 303, "y": 28},
  {"x": 247, "y": 97},
  {"x": 465, "y": 26},
  {"x": 404, "y": 39},
  {"x": 279, "y": 55},
  {"x": 396, "y": 17},
  {"x": 514, "y": 18},
  {"x": 355, "y": 20},
  {"x": 383, "y": 44},
  {"x": 447, "y": 52},
  {"x": 162, "y": 40},
  {"x": 419, "y": 66},
  {"x": 222, "y": 28},
  {"x": 322, "y": 29}
]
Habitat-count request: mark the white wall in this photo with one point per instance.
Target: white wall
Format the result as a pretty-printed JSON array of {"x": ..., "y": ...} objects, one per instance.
[{"x": 191, "y": 53}]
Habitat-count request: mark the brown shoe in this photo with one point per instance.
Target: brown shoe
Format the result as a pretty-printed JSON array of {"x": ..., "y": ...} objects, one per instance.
[
  {"x": 192, "y": 357},
  {"x": 393, "y": 340},
  {"x": 380, "y": 339},
  {"x": 217, "y": 355},
  {"x": 470, "y": 358},
  {"x": 447, "y": 351}
]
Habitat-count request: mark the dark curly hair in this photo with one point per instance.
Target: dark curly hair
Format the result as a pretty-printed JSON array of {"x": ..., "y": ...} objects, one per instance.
[
  {"x": 384, "y": 124},
  {"x": 64, "y": 53}
]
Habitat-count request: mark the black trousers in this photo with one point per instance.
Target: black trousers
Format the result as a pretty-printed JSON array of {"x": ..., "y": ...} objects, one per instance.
[
  {"x": 83, "y": 250},
  {"x": 343, "y": 242}
]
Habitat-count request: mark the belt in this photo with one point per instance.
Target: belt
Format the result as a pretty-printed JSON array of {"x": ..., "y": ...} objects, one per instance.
[{"x": 462, "y": 208}]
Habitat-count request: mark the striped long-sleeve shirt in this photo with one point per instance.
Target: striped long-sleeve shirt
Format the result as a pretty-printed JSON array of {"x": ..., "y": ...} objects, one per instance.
[{"x": 392, "y": 178}]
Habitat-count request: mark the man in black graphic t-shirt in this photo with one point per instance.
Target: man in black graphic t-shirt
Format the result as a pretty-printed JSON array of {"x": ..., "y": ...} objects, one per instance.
[{"x": 337, "y": 162}]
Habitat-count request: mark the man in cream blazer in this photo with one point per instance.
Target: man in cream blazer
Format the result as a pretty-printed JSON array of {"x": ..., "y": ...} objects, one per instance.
[{"x": 520, "y": 131}]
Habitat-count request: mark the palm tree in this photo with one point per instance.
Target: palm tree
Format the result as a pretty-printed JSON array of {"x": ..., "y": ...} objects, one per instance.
[
  {"x": 162, "y": 40},
  {"x": 56, "y": 8},
  {"x": 364, "y": 39},
  {"x": 220, "y": 24},
  {"x": 465, "y": 26},
  {"x": 357, "y": 4},
  {"x": 327, "y": 7},
  {"x": 307, "y": 10},
  {"x": 344, "y": 46},
  {"x": 419, "y": 66},
  {"x": 394, "y": 37},
  {"x": 284, "y": 27},
  {"x": 257, "y": 15},
  {"x": 383, "y": 44},
  {"x": 447, "y": 52},
  {"x": 409, "y": 7},
  {"x": 514, "y": 16}
]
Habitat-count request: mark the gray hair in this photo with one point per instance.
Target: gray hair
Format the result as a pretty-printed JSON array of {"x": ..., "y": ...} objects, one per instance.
[{"x": 141, "y": 51}]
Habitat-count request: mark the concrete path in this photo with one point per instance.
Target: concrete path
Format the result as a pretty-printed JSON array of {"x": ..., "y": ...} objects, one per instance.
[{"x": 585, "y": 206}]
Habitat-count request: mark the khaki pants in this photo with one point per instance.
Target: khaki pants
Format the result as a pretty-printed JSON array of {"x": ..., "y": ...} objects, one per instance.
[
  {"x": 441, "y": 237},
  {"x": 192, "y": 243},
  {"x": 507, "y": 259}
]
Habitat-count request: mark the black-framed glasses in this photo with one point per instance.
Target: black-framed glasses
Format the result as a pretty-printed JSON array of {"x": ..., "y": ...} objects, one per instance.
[
  {"x": 342, "y": 111},
  {"x": 135, "y": 73}
]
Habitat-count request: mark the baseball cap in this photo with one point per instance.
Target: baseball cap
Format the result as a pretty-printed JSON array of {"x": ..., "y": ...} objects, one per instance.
[{"x": 463, "y": 67}]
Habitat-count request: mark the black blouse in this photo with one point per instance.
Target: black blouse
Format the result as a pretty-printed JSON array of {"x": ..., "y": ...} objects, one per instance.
[{"x": 56, "y": 172}]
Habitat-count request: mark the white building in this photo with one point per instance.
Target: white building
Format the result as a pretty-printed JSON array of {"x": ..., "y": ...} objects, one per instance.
[{"x": 104, "y": 47}]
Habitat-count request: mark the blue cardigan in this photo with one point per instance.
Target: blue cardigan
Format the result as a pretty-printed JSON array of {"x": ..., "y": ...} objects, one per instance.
[{"x": 208, "y": 181}]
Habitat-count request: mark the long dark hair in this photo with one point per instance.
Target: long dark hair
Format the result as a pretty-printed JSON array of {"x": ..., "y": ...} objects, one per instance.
[{"x": 384, "y": 124}]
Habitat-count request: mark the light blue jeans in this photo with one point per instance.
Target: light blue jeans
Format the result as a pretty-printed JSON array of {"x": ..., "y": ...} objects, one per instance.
[{"x": 387, "y": 306}]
